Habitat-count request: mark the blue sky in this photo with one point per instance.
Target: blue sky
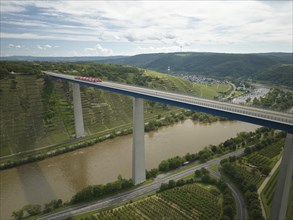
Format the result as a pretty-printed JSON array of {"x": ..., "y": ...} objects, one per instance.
[{"x": 105, "y": 28}]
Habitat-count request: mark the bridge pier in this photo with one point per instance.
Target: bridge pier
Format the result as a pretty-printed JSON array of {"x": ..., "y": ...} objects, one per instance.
[
  {"x": 78, "y": 117},
  {"x": 138, "y": 151},
  {"x": 281, "y": 195}
]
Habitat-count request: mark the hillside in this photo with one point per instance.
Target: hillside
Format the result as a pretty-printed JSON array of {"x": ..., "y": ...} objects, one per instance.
[
  {"x": 231, "y": 66},
  {"x": 281, "y": 74},
  {"x": 37, "y": 112}
]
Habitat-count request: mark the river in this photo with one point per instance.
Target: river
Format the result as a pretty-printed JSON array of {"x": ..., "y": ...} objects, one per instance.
[{"x": 62, "y": 176}]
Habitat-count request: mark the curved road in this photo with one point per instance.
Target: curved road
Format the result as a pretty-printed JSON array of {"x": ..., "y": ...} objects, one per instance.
[
  {"x": 239, "y": 200},
  {"x": 134, "y": 193}
]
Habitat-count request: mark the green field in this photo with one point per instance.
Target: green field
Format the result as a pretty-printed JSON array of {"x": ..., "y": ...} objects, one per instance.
[
  {"x": 186, "y": 202},
  {"x": 182, "y": 85},
  {"x": 213, "y": 90}
]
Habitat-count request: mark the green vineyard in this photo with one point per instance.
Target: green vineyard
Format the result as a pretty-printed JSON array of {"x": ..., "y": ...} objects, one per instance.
[
  {"x": 258, "y": 160},
  {"x": 266, "y": 156},
  {"x": 186, "y": 202},
  {"x": 272, "y": 150},
  {"x": 250, "y": 178},
  {"x": 268, "y": 192}
]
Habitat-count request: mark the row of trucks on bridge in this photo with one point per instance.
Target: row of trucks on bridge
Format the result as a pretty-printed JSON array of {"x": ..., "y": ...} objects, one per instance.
[{"x": 89, "y": 79}]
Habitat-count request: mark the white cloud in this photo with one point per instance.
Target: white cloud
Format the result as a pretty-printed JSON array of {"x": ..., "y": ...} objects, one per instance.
[
  {"x": 152, "y": 49},
  {"x": 18, "y": 46},
  {"x": 169, "y": 23},
  {"x": 98, "y": 50},
  {"x": 45, "y": 47},
  {"x": 48, "y": 46}
]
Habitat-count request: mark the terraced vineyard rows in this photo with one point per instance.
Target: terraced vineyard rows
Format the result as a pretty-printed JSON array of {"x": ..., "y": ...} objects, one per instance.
[
  {"x": 265, "y": 157},
  {"x": 250, "y": 178},
  {"x": 272, "y": 150},
  {"x": 186, "y": 202},
  {"x": 258, "y": 159}
]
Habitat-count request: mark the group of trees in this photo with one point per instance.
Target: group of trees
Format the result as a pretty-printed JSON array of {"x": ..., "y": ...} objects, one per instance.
[
  {"x": 96, "y": 191},
  {"x": 86, "y": 194},
  {"x": 229, "y": 207},
  {"x": 202, "y": 175},
  {"x": 241, "y": 140},
  {"x": 34, "y": 209},
  {"x": 248, "y": 179},
  {"x": 171, "y": 164},
  {"x": 248, "y": 189},
  {"x": 275, "y": 99}
]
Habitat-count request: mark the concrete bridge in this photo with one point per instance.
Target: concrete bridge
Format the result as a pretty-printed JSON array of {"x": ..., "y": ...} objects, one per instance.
[{"x": 272, "y": 119}]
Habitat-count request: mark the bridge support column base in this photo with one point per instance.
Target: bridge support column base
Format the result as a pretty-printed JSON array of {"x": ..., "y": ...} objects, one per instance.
[
  {"x": 78, "y": 117},
  {"x": 281, "y": 195},
  {"x": 138, "y": 151}
]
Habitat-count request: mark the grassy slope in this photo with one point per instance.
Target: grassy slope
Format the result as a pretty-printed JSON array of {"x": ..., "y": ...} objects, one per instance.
[
  {"x": 31, "y": 120},
  {"x": 204, "y": 90},
  {"x": 268, "y": 193}
]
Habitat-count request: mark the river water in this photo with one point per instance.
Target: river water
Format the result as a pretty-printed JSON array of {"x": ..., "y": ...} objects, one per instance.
[{"x": 62, "y": 176}]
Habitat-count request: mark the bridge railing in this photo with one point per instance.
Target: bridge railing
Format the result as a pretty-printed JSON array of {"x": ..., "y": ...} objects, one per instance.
[
  {"x": 192, "y": 95},
  {"x": 232, "y": 107},
  {"x": 242, "y": 111}
]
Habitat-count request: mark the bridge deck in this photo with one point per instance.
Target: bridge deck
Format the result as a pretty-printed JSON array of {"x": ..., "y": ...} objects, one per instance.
[{"x": 273, "y": 119}]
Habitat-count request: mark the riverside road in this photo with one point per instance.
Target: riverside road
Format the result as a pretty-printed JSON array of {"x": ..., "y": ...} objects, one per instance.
[{"x": 142, "y": 190}]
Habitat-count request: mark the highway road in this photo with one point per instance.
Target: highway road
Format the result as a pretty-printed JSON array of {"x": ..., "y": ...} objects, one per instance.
[
  {"x": 256, "y": 115},
  {"x": 134, "y": 193}
]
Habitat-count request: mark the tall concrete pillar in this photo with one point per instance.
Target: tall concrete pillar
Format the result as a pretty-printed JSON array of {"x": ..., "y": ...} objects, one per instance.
[
  {"x": 281, "y": 195},
  {"x": 138, "y": 152},
  {"x": 78, "y": 117}
]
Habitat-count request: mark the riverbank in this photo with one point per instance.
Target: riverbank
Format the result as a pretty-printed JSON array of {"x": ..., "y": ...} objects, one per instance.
[
  {"x": 62, "y": 176},
  {"x": 151, "y": 124}
]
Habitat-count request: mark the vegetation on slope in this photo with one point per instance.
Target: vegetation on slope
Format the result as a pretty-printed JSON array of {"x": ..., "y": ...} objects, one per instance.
[
  {"x": 270, "y": 67},
  {"x": 268, "y": 193},
  {"x": 275, "y": 99},
  {"x": 280, "y": 74},
  {"x": 249, "y": 170},
  {"x": 38, "y": 112}
]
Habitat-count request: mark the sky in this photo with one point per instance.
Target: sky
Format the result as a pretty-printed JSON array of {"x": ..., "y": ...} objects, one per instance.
[{"x": 109, "y": 28}]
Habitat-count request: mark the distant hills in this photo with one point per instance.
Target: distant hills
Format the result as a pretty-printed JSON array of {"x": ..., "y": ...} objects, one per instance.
[
  {"x": 216, "y": 64},
  {"x": 275, "y": 68},
  {"x": 59, "y": 59},
  {"x": 267, "y": 67}
]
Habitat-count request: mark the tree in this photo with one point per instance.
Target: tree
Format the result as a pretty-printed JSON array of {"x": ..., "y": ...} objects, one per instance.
[
  {"x": 17, "y": 214},
  {"x": 228, "y": 211},
  {"x": 32, "y": 209},
  {"x": 164, "y": 186},
  {"x": 198, "y": 173},
  {"x": 164, "y": 166},
  {"x": 171, "y": 184},
  {"x": 180, "y": 182},
  {"x": 204, "y": 171}
]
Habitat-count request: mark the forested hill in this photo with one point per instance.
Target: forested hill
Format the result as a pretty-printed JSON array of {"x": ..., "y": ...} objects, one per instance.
[
  {"x": 281, "y": 74},
  {"x": 243, "y": 66}
]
